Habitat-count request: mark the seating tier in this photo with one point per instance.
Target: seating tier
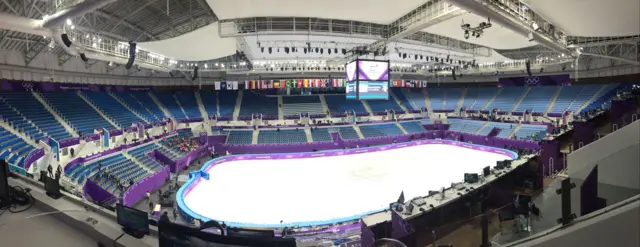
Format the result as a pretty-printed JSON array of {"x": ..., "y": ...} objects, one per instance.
[
  {"x": 77, "y": 112},
  {"x": 120, "y": 114}
]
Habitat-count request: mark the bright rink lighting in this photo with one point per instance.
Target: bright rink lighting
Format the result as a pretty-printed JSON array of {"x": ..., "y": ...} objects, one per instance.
[{"x": 324, "y": 190}]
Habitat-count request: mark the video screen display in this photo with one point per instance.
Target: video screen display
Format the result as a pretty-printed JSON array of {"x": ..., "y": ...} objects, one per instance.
[
  {"x": 174, "y": 235},
  {"x": 351, "y": 90},
  {"x": 372, "y": 90},
  {"x": 373, "y": 70},
  {"x": 132, "y": 218},
  {"x": 350, "y": 69}
]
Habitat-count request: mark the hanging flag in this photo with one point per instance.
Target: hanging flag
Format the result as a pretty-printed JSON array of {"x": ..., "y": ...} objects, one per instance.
[
  {"x": 217, "y": 85},
  {"x": 334, "y": 83},
  {"x": 268, "y": 83},
  {"x": 254, "y": 84},
  {"x": 234, "y": 85},
  {"x": 223, "y": 85},
  {"x": 276, "y": 84}
]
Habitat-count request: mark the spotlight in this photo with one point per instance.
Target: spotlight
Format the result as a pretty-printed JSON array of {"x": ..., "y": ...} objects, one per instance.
[
  {"x": 304, "y": 50},
  {"x": 286, "y": 50},
  {"x": 466, "y": 34},
  {"x": 270, "y": 50},
  {"x": 421, "y": 57},
  {"x": 321, "y": 50},
  {"x": 262, "y": 49},
  {"x": 335, "y": 50}
]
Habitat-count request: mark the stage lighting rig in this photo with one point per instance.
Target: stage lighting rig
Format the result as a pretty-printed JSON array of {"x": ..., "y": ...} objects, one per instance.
[{"x": 475, "y": 31}]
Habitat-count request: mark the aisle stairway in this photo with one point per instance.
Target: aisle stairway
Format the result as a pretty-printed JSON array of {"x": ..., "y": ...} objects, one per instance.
[
  {"x": 112, "y": 109},
  {"x": 81, "y": 116},
  {"x": 59, "y": 120},
  {"x": 129, "y": 108},
  {"x": 159, "y": 105},
  {"x": 27, "y": 114}
]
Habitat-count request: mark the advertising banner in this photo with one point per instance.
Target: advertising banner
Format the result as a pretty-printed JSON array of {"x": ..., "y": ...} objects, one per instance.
[
  {"x": 105, "y": 138},
  {"x": 55, "y": 149},
  {"x": 369, "y": 70}
]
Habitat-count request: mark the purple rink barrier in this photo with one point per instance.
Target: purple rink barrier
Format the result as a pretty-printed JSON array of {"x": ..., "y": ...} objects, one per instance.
[
  {"x": 193, "y": 181},
  {"x": 150, "y": 183},
  {"x": 331, "y": 229},
  {"x": 491, "y": 141},
  {"x": 33, "y": 157},
  {"x": 161, "y": 158},
  {"x": 95, "y": 193},
  {"x": 184, "y": 161}
]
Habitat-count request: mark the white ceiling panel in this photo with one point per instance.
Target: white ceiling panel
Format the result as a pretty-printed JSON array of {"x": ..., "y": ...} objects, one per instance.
[
  {"x": 341, "y": 42},
  {"x": 199, "y": 45},
  {"x": 496, "y": 37},
  {"x": 375, "y": 11},
  {"x": 594, "y": 18}
]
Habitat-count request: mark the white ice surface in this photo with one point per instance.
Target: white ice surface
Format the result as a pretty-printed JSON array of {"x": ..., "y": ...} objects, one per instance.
[{"x": 307, "y": 191}]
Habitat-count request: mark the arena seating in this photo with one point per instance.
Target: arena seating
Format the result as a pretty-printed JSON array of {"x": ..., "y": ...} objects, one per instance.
[
  {"x": 506, "y": 99},
  {"x": 35, "y": 112},
  {"x": 507, "y": 129},
  {"x": 465, "y": 126},
  {"x": 320, "y": 135},
  {"x": 346, "y": 132},
  {"x": 565, "y": 98},
  {"x": 402, "y": 98},
  {"x": 412, "y": 127},
  {"x": 527, "y": 131},
  {"x": 140, "y": 153},
  {"x": 171, "y": 104},
  {"x": 538, "y": 99},
  {"x": 414, "y": 98},
  {"x": 604, "y": 97},
  {"x": 12, "y": 148},
  {"x": 189, "y": 103},
  {"x": 378, "y": 130},
  {"x": 240, "y": 137},
  {"x": 184, "y": 134},
  {"x": 227, "y": 102},
  {"x": 382, "y": 105},
  {"x": 444, "y": 99},
  {"x": 210, "y": 102},
  {"x": 339, "y": 104},
  {"x": 78, "y": 173},
  {"x": 18, "y": 121},
  {"x": 282, "y": 136},
  {"x": 124, "y": 169},
  {"x": 254, "y": 103},
  {"x": 131, "y": 100},
  {"x": 77, "y": 112},
  {"x": 112, "y": 108},
  {"x": 294, "y": 105},
  {"x": 477, "y": 98}
]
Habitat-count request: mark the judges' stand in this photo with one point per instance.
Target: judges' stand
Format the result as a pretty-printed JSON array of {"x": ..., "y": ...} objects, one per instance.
[
  {"x": 97, "y": 223},
  {"x": 424, "y": 204}
]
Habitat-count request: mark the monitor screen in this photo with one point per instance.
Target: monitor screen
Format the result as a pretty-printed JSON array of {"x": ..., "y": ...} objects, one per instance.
[
  {"x": 373, "y": 70},
  {"x": 173, "y": 235},
  {"x": 350, "y": 69},
  {"x": 133, "y": 219},
  {"x": 372, "y": 90},
  {"x": 351, "y": 90}
]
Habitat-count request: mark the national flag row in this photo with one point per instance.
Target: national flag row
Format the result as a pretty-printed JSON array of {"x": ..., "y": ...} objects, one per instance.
[
  {"x": 408, "y": 83},
  {"x": 297, "y": 83},
  {"x": 226, "y": 85}
]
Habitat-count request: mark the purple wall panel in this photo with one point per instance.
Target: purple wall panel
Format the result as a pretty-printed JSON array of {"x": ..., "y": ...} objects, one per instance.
[
  {"x": 95, "y": 193},
  {"x": 150, "y": 183}
]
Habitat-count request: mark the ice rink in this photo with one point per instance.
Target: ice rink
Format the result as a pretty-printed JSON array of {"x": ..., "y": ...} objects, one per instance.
[{"x": 322, "y": 190}]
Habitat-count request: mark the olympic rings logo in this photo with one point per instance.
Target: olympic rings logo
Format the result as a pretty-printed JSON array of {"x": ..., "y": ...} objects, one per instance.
[{"x": 532, "y": 80}]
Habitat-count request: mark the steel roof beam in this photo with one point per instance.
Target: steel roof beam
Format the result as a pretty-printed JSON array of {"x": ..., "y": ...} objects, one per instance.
[
  {"x": 125, "y": 23},
  {"x": 74, "y": 11}
]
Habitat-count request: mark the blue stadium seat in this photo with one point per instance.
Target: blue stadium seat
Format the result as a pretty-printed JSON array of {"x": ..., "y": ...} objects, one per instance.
[
  {"x": 506, "y": 129},
  {"x": 77, "y": 112},
  {"x": 538, "y": 99},
  {"x": 281, "y": 137},
  {"x": 506, "y": 99},
  {"x": 379, "y": 130},
  {"x": 210, "y": 102},
  {"x": 189, "y": 103},
  {"x": 294, "y": 105},
  {"x": 321, "y": 135},
  {"x": 412, "y": 127},
  {"x": 382, "y": 105},
  {"x": 13, "y": 148},
  {"x": 171, "y": 104},
  {"x": 240, "y": 137},
  {"x": 398, "y": 92},
  {"x": 339, "y": 104},
  {"x": 346, "y": 132},
  {"x": 140, "y": 153},
  {"x": 253, "y": 103},
  {"x": 112, "y": 108},
  {"x": 414, "y": 98},
  {"x": 444, "y": 99},
  {"x": 477, "y": 98},
  {"x": 527, "y": 131},
  {"x": 35, "y": 112},
  {"x": 147, "y": 109},
  {"x": 465, "y": 126},
  {"x": 227, "y": 102}
]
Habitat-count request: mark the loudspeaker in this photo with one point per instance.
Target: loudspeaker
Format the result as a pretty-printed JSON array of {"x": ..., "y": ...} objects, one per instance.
[
  {"x": 132, "y": 55},
  {"x": 195, "y": 73},
  {"x": 66, "y": 40},
  {"x": 528, "y": 65},
  {"x": 453, "y": 73},
  {"x": 83, "y": 57}
]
